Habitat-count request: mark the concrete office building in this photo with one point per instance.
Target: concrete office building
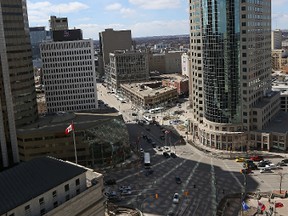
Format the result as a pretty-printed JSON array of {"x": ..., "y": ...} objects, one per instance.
[
  {"x": 58, "y": 23},
  {"x": 276, "y": 39},
  {"x": 109, "y": 41},
  {"x": 127, "y": 67},
  {"x": 51, "y": 187},
  {"x": 69, "y": 75},
  {"x": 185, "y": 64},
  {"x": 230, "y": 84},
  {"x": 18, "y": 105},
  {"x": 165, "y": 62}
]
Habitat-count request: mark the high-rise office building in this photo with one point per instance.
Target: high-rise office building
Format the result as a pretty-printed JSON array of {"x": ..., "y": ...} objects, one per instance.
[
  {"x": 230, "y": 71},
  {"x": 110, "y": 41},
  {"x": 276, "y": 39},
  {"x": 58, "y": 23},
  {"x": 69, "y": 75},
  {"x": 18, "y": 105}
]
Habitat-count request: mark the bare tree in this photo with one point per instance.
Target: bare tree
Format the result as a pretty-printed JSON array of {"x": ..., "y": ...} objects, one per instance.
[{"x": 281, "y": 178}]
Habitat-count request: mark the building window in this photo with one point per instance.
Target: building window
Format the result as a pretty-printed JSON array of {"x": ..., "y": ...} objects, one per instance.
[
  {"x": 27, "y": 210},
  {"x": 42, "y": 211},
  {"x": 41, "y": 201},
  {"x": 77, "y": 182},
  {"x": 54, "y": 194},
  {"x": 55, "y": 204},
  {"x": 66, "y": 187},
  {"x": 67, "y": 197},
  {"x": 12, "y": 214},
  {"x": 78, "y": 191}
]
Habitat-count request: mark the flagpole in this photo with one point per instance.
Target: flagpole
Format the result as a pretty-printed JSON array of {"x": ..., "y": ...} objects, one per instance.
[{"x": 74, "y": 141}]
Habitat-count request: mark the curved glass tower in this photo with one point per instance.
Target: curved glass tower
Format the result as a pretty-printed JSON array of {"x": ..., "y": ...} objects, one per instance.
[{"x": 230, "y": 43}]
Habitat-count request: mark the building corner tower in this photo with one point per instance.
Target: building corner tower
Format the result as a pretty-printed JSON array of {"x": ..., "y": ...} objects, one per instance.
[
  {"x": 230, "y": 80},
  {"x": 18, "y": 104}
]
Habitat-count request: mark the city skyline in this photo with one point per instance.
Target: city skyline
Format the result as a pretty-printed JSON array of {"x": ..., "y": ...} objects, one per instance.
[{"x": 155, "y": 18}]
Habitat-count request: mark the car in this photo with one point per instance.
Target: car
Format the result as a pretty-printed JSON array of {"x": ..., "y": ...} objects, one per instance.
[
  {"x": 173, "y": 155},
  {"x": 249, "y": 164},
  {"x": 257, "y": 158},
  {"x": 167, "y": 148},
  {"x": 159, "y": 148},
  {"x": 285, "y": 160},
  {"x": 141, "y": 150},
  {"x": 263, "y": 163},
  {"x": 240, "y": 159},
  {"x": 126, "y": 192},
  {"x": 124, "y": 187},
  {"x": 111, "y": 181},
  {"x": 178, "y": 180},
  {"x": 166, "y": 155},
  {"x": 153, "y": 144},
  {"x": 266, "y": 170},
  {"x": 281, "y": 163},
  {"x": 175, "y": 198},
  {"x": 134, "y": 114}
]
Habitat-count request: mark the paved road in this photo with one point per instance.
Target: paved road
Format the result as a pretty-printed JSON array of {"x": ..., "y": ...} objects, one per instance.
[{"x": 205, "y": 180}]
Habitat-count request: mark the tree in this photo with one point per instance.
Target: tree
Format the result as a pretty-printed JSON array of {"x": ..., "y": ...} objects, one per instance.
[{"x": 281, "y": 178}]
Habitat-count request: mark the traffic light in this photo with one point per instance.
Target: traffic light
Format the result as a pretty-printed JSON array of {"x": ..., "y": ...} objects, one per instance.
[{"x": 156, "y": 196}]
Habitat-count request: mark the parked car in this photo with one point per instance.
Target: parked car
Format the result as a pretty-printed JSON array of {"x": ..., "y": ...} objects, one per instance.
[
  {"x": 257, "y": 158},
  {"x": 176, "y": 198},
  {"x": 124, "y": 187},
  {"x": 285, "y": 160},
  {"x": 263, "y": 163},
  {"x": 126, "y": 192},
  {"x": 266, "y": 170},
  {"x": 166, "y": 155},
  {"x": 173, "y": 155},
  {"x": 159, "y": 148},
  {"x": 281, "y": 163},
  {"x": 240, "y": 159},
  {"x": 110, "y": 181},
  {"x": 178, "y": 180}
]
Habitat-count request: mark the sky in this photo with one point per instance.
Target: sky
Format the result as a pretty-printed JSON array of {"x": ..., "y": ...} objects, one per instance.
[{"x": 142, "y": 17}]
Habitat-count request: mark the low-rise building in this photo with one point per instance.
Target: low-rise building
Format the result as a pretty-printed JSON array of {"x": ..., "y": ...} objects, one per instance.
[
  {"x": 48, "y": 186},
  {"x": 150, "y": 94},
  {"x": 181, "y": 83},
  {"x": 101, "y": 138}
]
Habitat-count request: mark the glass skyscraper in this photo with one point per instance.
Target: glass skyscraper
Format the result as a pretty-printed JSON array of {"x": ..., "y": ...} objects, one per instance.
[
  {"x": 230, "y": 70},
  {"x": 18, "y": 105}
]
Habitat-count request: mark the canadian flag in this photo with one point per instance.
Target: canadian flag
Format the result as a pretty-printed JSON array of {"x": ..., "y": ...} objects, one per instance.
[{"x": 69, "y": 128}]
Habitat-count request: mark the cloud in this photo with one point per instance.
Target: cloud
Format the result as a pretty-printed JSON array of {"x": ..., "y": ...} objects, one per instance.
[
  {"x": 153, "y": 28},
  {"x": 114, "y": 6},
  {"x": 279, "y": 2},
  {"x": 40, "y": 12},
  {"x": 156, "y": 4},
  {"x": 125, "y": 12},
  {"x": 279, "y": 20}
]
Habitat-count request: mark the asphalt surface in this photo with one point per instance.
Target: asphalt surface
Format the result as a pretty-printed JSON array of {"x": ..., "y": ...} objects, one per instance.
[{"x": 205, "y": 180}]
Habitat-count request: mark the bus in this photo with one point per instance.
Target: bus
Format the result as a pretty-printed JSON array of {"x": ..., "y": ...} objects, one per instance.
[
  {"x": 156, "y": 110},
  {"x": 147, "y": 160}
]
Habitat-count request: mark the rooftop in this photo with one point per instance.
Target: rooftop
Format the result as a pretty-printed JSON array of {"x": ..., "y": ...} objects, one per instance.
[
  {"x": 147, "y": 89},
  {"x": 61, "y": 120},
  {"x": 33, "y": 178}
]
